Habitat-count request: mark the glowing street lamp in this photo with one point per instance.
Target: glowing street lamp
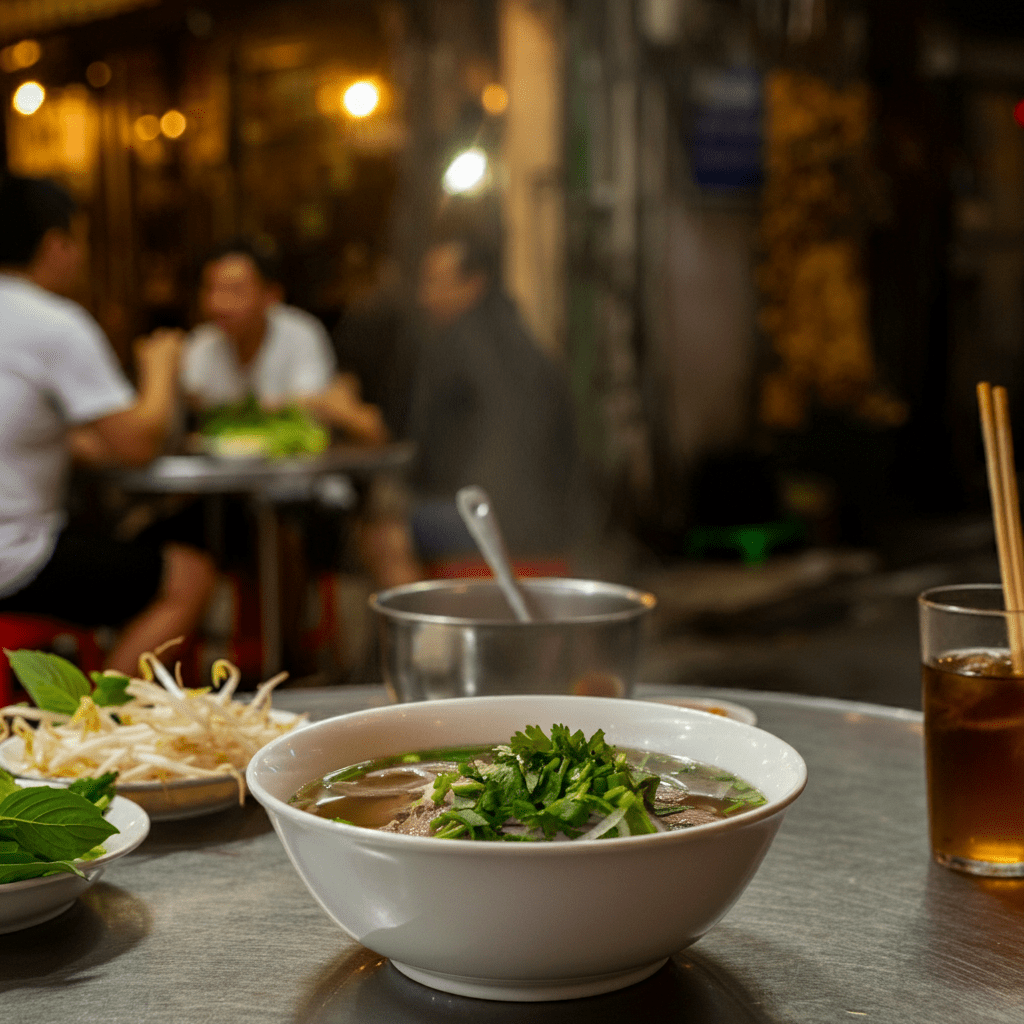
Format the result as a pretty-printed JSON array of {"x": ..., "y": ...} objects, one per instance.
[
  {"x": 147, "y": 127},
  {"x": 361, "y": 98},
  {"x": 28, "y": 98},
  {"x": 494, "y": 99},
  {"x": 467, "y": 173},
  {"x": 173, "y": 124}
]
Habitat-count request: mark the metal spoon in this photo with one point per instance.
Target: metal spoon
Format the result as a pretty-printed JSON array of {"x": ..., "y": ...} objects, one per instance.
[{"x": 478, "y": 514}]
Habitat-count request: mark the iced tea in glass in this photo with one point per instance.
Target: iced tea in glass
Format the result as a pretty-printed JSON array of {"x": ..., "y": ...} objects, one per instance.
[{"x": 974, "y": 730}]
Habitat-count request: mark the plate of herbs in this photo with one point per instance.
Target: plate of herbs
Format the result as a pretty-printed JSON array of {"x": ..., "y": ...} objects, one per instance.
[
  {"x": 178, "y": 752},
  {"x": 55, "y": 842}
]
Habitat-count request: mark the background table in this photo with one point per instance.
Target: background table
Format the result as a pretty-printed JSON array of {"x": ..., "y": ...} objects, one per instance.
[
  {"x": 847, "y": 919},
  {"x": 267, "y": 482}
]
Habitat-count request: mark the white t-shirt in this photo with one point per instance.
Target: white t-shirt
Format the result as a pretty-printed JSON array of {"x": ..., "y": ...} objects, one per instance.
[
  {"x": 56, "y": 370},
  {"x": 295, "y": 359}
]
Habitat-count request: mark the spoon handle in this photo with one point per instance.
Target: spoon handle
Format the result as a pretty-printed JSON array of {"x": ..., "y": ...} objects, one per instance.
[{"x": 478, "y": 514}]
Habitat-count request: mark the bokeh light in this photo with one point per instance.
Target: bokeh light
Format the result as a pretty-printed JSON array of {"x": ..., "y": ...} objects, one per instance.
[
  {"x": 147, "y": 127},
  {"x": 98, "y": 74},
  {"x": 20, "y": 55},
  {"x": 361, "y": 98},
  {"x": 1018, "y": 113},
  {"x": 173, "y": 124},
  {"x": 494, "y": 99},
  {"x": 28, "y": 98},
  {"x": 466, "y": 173}
]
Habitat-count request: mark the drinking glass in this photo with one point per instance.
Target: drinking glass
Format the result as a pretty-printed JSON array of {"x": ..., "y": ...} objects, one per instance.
[{"x": 974, "y": 728}]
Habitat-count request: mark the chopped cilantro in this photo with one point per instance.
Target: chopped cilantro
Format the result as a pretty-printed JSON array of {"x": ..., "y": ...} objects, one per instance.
[{"x": 547, "y": 783}]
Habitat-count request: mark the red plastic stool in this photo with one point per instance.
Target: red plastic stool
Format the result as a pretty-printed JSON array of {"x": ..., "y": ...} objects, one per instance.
[
  {"x": 326, "y": 638},
  {"x": 36, "y": 632},
  {"x": 245, "y": 648},
  {"x": 477, "y": 568}
]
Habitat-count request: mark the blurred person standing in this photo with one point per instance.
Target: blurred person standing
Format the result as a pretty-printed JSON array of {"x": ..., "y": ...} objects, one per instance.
[
  {"x": 61, "y": 388},
  {"x": 488, "y": 408},
  {"x": 254, "y": 344}
]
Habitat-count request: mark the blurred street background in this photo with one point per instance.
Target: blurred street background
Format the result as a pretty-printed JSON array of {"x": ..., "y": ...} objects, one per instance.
[{"x": 770, "y": 246}]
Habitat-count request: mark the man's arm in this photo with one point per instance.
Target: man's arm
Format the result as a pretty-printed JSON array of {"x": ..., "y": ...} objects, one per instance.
[
  {"x": 134, "y": 436},
  {"x": 341, "y": 406}
]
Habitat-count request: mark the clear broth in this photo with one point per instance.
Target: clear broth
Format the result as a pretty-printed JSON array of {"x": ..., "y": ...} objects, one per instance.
[{"x": 371, "y": 794}]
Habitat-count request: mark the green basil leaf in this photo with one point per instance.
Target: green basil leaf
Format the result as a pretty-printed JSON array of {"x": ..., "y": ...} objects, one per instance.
[
  {"x": 53, "y": 823},
  {"x": 7, "y": 783},
  {"x": 36, "y": 869},
  {"x": 99, "y": 791},
  {"x": 111, "y": 691},
  {"x": 51, "y": 681}
]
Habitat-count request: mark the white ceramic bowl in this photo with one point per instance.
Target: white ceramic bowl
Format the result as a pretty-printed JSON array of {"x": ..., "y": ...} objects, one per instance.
[
  {"x": 35, "y": 900},
  {"x": 525, "y": 921}
]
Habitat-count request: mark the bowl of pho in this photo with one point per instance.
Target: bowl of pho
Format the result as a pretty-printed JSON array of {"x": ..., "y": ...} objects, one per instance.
[{"x": 530, "y": 847}]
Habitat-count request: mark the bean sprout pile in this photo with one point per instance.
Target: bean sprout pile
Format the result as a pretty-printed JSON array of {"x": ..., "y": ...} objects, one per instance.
[{"x": 165, "y": 733}]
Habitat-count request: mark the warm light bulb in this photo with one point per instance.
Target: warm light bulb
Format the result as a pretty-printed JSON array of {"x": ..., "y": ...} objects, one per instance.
[
  {"x": 147, "y": 127},
  {"x": 173, "y": 124},
  {"x": 466, "y": 173},
  {"x": 98, "y": 74},
  {"x": 28, "y": 98},
  {"x": 494, "y": 99},
  {"x": 361, "y": 99},
  {"x": 26, "y": 53}
]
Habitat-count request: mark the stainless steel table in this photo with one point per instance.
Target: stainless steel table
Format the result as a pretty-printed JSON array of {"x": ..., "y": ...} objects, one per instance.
[
  {"x": 847, "y": 919},
  {"x": 267, "y": 482}
]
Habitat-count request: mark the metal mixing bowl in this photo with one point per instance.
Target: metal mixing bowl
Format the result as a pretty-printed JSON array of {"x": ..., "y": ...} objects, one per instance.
[{"x": 458, "y": 638}]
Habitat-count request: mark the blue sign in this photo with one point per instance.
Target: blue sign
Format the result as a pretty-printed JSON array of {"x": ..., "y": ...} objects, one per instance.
[{"x": 726, "y": 128}]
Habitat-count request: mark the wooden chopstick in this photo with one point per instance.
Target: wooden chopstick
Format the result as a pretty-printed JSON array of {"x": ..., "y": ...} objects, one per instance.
[
  {"x": 993, "y": 407},
  {"x": 1008, "y": 469}
]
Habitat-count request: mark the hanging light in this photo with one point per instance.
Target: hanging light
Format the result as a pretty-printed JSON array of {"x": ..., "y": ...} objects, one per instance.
[
  {"x": 98, "y": 74},
  {"x": 494, "y": 99},
  {"x": 467, "y": 173},
  {"x": 147, "y": 127},
  {"x": 28, "y": 98},
  {"x": 361, "y": 98},
  {"x": 173, "y": 124}
]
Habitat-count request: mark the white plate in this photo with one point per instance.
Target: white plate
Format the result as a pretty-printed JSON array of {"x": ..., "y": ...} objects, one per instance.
[
  {"x": 162, "y": 801},
  {"x": 35, "y": 900},
  {"x": 725, "y": 708}
]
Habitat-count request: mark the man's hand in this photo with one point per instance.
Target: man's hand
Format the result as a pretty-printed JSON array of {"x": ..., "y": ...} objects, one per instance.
[
  {"x": 341, "y": 406},
  {"x": 134, "y": 436},
  {"x": 158, "y": 355}
]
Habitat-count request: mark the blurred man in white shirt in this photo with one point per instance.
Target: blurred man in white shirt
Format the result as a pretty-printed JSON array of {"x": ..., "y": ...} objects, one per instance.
[
  {"x": 253, "y": 344},
  {"x": 60, "y": 383}
]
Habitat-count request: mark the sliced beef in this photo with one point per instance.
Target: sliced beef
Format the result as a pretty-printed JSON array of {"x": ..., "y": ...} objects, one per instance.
[
  {"x": 414, "y": 822},
  {"x": 685, "y": 819},
  {"x": 669, "y": 796}
]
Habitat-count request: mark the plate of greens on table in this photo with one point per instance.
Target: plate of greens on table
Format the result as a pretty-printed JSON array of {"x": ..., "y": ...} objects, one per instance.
[
  {"x": 55, "y": 842},
  {"x": 248, "y": 431}
]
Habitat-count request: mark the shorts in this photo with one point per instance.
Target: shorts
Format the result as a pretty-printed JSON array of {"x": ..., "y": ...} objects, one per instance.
[{"x": 92, "y": 581}]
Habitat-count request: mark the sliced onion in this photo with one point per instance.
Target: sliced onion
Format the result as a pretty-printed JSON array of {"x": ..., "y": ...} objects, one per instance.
[
  {"x": 405, "y": 779},
  {"x": 605, "y": 824}
]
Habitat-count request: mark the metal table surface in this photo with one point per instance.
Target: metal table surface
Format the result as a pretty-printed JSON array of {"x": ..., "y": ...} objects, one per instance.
[
  {"x": 847, "y": 918},
  {"x": 267, "y": 482},
  {"x": 206, "y": 474}
]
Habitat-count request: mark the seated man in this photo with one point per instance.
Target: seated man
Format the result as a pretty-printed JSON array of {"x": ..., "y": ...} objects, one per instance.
[
  {"x": 253, "y": 344},
  {"x": 58, "y": 374},
  {"x": 488, "y": 408}
]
